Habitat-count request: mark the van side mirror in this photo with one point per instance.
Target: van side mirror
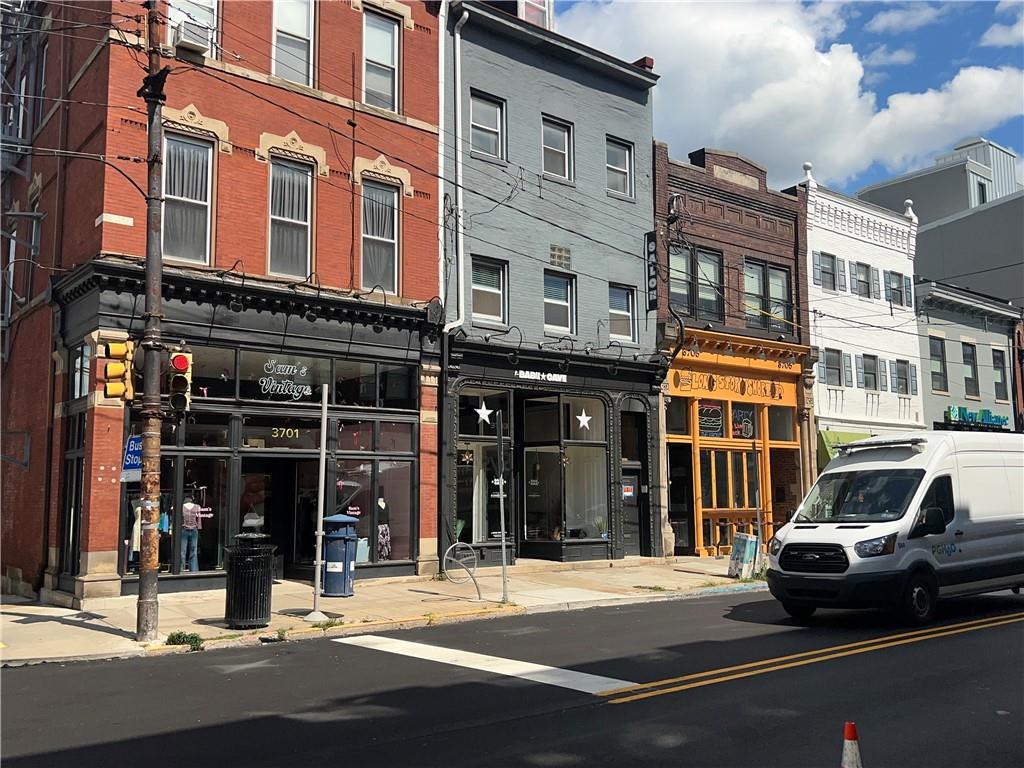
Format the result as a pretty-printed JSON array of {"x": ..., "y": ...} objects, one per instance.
[{"x": 932, "y": 521}]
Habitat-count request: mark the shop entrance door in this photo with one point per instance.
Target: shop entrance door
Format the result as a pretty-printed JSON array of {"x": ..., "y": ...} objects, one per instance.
[
  {"x": 632, "y": 511},
  {"x": 680, "y": 496},
  {"x": 279, "y": 498}
]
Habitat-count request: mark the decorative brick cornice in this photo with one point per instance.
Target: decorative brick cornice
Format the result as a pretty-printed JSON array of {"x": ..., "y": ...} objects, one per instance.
[
  {"x": 292, "y": 146},
  {"x": 381, "y": 168}
]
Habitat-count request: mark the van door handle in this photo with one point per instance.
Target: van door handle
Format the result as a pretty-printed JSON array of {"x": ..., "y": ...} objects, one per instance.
[{"x": 958, "y": 533}]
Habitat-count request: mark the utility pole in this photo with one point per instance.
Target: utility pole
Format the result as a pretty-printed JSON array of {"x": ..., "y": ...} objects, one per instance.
[{"x": 152, "y": 91}]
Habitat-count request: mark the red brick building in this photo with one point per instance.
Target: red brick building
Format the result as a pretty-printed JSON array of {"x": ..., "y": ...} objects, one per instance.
[
  {"x": 733, "y": 317},
  {"x": 300, "y": 243}
]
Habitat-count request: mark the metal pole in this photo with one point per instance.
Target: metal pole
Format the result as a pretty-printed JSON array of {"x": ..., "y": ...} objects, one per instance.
[
  {"x": 501, "y": 505},
  {"x": 316, "y": 615},
  {"x": 147, "y": 618}
]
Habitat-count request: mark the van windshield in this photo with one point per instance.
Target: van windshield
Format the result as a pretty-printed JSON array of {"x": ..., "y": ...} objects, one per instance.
[{"x": 860, "y": 497}]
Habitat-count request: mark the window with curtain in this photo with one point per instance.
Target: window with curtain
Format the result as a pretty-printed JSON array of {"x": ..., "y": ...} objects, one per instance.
[
  {"x": 488, "y": 290},
  {"x": 380, "y": 61},
  {"x": 289, "y": 218},
  {"x": 380, "y": 236},
  {"x": 293, "y": 38},
  {"x": 186, "y": 225},
  {"x": 559, "y": 314},
  {"x": 621, "y": 313}
]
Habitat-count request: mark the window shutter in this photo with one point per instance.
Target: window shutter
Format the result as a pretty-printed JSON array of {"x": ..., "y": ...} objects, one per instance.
[
  {"x": 883, "y": 385},
  {"x": 847, "y": 370},
  {"x": 887, "y": 284},
  {"x": 860, "y": 371},
  {"x": 895, "y": 387},
  {"x": 841, "y": 274},
  {"x": 913, "y": 379},
  {"x": 853, "y": 276},
  {"x": 822, "y": 372},
  {"x": 876, "y": 292},
  {"x": 908, "y": 287},
  {"x": 817, "y": 267}
]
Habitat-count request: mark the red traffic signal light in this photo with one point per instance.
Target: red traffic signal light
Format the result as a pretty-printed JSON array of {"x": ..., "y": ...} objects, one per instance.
[
  {"x": 179, "y": 365},
  {"x": 181, "y": 361}
]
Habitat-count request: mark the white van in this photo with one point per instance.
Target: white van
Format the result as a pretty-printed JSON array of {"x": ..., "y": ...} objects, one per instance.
[{"x": 900, "y": 521}]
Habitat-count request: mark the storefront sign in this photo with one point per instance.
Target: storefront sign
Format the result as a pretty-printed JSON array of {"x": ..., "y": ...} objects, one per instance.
[
  {"x": 280, "y": 379},
  {"x": 555, "y": 378},
  {"x": 651, "y": 254},
  {"x": 744, "y": 386},
  {"x": 131, "y": 467},
  {"x": 959, "y": 415},
  {"x": 711, "y": 418}
]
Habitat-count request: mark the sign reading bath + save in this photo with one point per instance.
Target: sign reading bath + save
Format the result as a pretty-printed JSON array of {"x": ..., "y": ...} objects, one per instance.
[{"x": 131, "y": 467}]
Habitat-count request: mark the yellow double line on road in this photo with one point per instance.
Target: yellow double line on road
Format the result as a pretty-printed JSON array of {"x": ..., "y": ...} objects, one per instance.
[{"x": 750, "y": 669}]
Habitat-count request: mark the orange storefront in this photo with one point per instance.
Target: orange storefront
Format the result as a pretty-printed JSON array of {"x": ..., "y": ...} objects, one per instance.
[{"x": 733, "y": 439}]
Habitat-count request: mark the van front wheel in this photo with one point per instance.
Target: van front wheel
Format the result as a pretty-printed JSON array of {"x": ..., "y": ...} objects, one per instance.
[
  {"x": 800, "y": 611},
  {"x": 919, "y": 599}
]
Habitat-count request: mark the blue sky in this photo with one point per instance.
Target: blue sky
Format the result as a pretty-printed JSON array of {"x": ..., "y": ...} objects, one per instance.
[{"x": 787, "y": 81}]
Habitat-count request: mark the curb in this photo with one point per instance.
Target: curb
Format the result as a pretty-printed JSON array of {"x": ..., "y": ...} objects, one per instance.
[
  {"x": 126, "y": 653},
  {"x": 578, "y": 605}
]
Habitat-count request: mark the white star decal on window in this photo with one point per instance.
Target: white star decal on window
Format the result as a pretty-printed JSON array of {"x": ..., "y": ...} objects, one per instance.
[
  {"x": 484, "y": 413},
  {"x": 583, "y": 419}
]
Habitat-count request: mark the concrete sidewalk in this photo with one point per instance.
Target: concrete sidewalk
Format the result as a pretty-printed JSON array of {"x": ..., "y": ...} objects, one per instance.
[{"x": 31, "y": 632}]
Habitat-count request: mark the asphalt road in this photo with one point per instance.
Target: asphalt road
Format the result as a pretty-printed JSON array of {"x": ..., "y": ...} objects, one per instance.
[{"x": 950, "y": 696}]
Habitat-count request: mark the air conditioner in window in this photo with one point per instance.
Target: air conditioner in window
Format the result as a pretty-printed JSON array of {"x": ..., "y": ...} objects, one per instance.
[{"x": 193, "y": 37}]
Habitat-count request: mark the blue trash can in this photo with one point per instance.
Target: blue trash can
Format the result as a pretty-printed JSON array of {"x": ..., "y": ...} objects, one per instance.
[{"x": 339, "y": 555}]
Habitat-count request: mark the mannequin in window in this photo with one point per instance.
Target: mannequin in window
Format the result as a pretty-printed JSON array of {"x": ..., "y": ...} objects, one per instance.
[
  {"x": 192, "y": 515},
  {"x": 383, "y": 530}
]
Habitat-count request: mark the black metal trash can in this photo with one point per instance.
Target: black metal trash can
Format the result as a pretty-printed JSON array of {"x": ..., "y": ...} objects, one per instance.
[{"x": 250, "y": 566}]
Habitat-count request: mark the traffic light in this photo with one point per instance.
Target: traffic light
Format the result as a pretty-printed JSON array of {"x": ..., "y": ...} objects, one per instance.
[
  {"x": 118, "y": 373},
  {"x": 179, "y": 375}
]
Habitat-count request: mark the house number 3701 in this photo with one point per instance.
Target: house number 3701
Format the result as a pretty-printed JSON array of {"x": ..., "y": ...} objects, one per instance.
[{"x": 284, "y": 432}]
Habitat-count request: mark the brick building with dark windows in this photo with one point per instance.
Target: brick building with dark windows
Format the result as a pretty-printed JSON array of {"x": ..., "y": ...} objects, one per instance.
[
  {"x": 738, "y": 417},
  {"x": 300, "y": 244}
]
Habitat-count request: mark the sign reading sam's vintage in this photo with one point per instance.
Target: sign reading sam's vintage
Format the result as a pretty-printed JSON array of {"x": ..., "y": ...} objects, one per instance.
[{"x": 285, "y": 379}]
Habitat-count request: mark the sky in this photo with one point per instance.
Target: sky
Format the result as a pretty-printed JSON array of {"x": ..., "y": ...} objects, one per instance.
[{"x": 864, "y": 90}]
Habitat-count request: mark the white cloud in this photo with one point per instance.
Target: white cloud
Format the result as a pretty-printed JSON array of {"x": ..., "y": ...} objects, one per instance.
[
  {"x": 907, "y": 18},
  {"x": 1006, "y": 35},
  {"x": 883, "y": 57},
  {"x": 875, "y": 77},
  {"x": 764, "y": 80}
]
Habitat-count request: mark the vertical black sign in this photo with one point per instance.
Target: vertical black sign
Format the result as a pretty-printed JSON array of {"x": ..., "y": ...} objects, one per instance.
[{"x": 651, "y": 254}]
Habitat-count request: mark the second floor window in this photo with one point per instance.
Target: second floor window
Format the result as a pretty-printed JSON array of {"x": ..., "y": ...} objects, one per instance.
[
  {"x": 619, "y": 166},
  {"x": 870, "y": 372},
  {"x": 902, "y": 377},
  {"x": 186, "y": 224},
  {"x": 695, "y": 283},
  {"x": 289, "y": 218},
  {"x": 293, "y": 38},
  {"x": 621, "y": 313},
  {"x": 380, "y": 61},
  {"x": 999, "y": 369},
  {"x": 894, "y": 287},
  {"x": 970, "y": 353},
  {"x": 557, "y": 141},
  {"x": 488, "y": 290},
  {"x": 937, "y": 352},
  {"x": 559, "y": 313},
  {"x": 860, "y": 279},
  {"x": 766, "y": 301},
  {"x": 486, "y": 125},
  {"x": 833, "y": 367},
  {"x": 828, "y": 271},
  {"x": 380, "y": 236}
]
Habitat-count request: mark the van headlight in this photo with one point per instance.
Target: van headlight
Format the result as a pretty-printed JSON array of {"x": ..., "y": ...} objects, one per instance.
[
  {"x": 774, "y": 546},
  {"x": 883, "y": 545}
]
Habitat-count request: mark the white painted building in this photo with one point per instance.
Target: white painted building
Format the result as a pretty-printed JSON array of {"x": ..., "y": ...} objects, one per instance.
[{"x": 862, "y": 317}]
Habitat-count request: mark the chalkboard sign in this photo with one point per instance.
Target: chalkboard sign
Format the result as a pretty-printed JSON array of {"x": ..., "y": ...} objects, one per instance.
[
  {"x": 711, "y": 418},
  {"x": 744, "y": 421}
]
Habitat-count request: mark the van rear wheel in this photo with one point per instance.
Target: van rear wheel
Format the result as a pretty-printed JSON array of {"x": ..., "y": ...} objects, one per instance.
[
  {"x": 919, "y": 598},
  {"x": 800, "y": 611}
]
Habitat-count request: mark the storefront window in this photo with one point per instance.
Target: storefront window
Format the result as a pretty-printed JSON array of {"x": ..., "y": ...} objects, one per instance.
[
  {"x": 280, "y": 432},
  {"x": 721, "y": 479},
  {"x": 634, "y": 435},
  {"x": 355, "y": 435},
  {"x": 744, "y": 421},
  {"x": 207, "y": 430},
  {"x": 586, "y": 492},
  {"x": 492, "y": 400},
  {"x": 355, "y": 383},
  {"x": 354, "y": 491},
  {"x": 203, "y": 516},
  {"x": 540, "y": 420},
  {"x": 213, "y": 372},
  {"x": 543, "y": 489},
  {"x": 283, "y": 378},
  {"x": 165, "y": 527},
  {"x": 396, "y": 437},
  {"x": 394, "y": 510},
  {"x": 780, "y": 423},
  {"x": 398, "y": 386},
  {"x": 753, "y": 480},
  {"x": 711, "y": 414},
  {"x": 478, "y": 519},
  {"x": 677, "y": 416},
  {"x": 707, "y": 499},
  {"x": 737, "y": 480},
  {"x": 583, "y": 418}
]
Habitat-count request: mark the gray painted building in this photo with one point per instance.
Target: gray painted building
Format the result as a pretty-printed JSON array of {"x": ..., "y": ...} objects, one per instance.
[
  {"x": 547, "y": 197},
  {"x": 966, "y": 345}
]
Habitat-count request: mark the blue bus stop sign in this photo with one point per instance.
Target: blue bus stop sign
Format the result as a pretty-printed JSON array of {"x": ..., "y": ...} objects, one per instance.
[{"x": 131, "y": 467}]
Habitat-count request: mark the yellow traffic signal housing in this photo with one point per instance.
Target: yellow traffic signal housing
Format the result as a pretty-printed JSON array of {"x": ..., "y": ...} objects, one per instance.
[
  {"x": 179, "y": 374},
  {"x": 117, "y": 373}
]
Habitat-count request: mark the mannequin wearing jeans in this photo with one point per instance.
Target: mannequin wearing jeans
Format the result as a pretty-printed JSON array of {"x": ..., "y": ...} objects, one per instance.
[{"x": 191, "y": 523}]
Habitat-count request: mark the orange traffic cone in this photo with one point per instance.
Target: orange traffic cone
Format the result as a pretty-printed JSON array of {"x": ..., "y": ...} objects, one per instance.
[{"x": 851, "y": 748}]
